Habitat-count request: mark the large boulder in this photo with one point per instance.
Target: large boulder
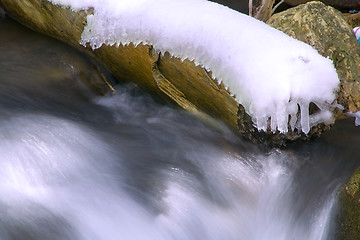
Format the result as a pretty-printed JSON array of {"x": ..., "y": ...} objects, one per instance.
[
  {"x": 326, "y": 29},
  {"x": 184, "y": 83},
  {"x": 339, "y": 4},
  {"x": 349, "y": 209}
]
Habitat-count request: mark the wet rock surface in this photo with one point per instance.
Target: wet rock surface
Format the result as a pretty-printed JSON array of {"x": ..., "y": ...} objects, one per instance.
[{"x": 349, "y": 209}]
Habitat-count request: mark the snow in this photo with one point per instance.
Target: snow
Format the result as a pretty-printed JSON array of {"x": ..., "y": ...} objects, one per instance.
[{"x": 271, "y": 74}]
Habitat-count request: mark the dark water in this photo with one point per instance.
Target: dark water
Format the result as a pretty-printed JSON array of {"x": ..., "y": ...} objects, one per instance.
[{"x": 75, "y": 166}]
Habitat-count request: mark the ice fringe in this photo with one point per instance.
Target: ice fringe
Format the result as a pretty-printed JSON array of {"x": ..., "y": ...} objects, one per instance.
[
  {"x": 356, "y": 115},
  {"x": 271, "y": 74}
]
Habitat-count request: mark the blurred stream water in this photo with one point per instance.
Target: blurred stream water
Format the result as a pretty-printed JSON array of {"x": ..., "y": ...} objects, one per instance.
[{"x": 74, "y": 166}]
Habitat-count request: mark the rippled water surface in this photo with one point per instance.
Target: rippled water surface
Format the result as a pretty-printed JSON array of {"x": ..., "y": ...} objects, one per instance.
[{"x": 75, "y": 166}]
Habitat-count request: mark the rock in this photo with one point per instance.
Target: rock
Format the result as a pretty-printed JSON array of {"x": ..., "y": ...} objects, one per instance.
[
  {"x": 325, "y": 29},
  {"x": 353, "y": 19},
  {"x": 183, "y": 83},
  {"x": 51, "y": 63},
  {"x": 339, "y": 4},
  {"x": 349, "y": 209}
]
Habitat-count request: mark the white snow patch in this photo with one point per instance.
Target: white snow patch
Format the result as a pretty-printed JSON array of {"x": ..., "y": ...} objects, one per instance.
[{"x": 271, "y": 74}]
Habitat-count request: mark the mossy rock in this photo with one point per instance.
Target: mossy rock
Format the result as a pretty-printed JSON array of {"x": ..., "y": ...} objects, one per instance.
[
  {"x": 325, "y": 29},
  {"x": 349, "y": 209}
]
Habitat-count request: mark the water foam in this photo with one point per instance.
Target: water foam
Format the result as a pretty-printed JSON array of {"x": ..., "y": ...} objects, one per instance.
[{"x": 80, "y": 183}]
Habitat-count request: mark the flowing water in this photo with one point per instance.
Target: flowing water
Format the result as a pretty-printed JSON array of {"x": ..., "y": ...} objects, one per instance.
[{"x": 74, "y": 166}]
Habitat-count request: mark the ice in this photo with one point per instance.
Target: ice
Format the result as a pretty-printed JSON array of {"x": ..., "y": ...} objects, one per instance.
[
  {"x": 268, "y": 72},
  {"x": 357, "y": 117}
]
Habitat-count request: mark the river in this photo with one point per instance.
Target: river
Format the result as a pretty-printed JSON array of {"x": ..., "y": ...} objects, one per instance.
[{"x": 124, "y": 166}]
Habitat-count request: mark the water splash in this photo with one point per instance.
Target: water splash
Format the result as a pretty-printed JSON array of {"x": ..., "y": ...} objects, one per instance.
[{"x": 58, "y": 171}]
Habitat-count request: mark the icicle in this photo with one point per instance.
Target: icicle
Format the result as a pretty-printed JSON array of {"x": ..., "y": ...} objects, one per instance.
[
  {"x": 261, "y": 123},
  {"x": 282, "y": 118},
  {"x": 357, "y": 117},
  {"x": 273, "y": 123},
  {"x": 304, "y": 111}
]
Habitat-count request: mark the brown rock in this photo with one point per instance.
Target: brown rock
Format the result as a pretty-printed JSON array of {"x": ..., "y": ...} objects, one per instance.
[{"x": 353, "y": 19}]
